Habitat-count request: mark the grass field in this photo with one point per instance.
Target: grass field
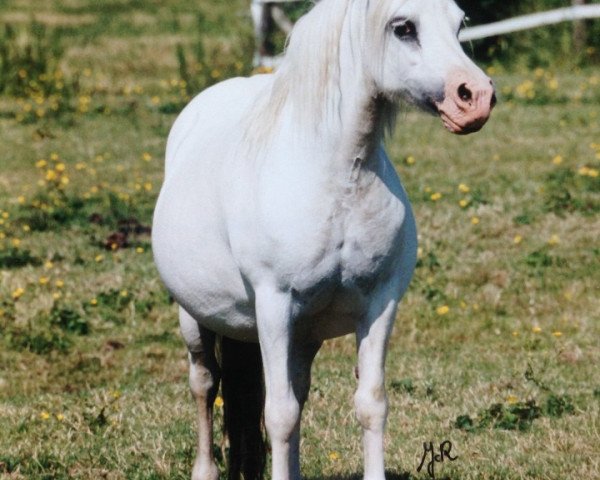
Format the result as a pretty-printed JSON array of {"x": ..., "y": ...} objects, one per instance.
[{"x": 496, "y": 346}]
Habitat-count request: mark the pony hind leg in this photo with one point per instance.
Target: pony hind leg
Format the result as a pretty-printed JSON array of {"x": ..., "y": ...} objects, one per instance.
[{"x": 204, "y": 376}]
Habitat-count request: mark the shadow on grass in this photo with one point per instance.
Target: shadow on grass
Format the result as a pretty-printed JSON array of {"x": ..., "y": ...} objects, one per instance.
[{"x": 389, "y": 475}]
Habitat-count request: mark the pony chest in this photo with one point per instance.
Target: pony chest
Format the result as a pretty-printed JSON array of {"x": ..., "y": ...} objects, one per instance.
[
  {"x": 367, "y": 249},
  {"x": 372, "y": 240},
  {"x": 364, "y": 245}
]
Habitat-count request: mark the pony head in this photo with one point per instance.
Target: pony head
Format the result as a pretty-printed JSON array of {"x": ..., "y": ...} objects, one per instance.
[{"x": 413, "y": 53}]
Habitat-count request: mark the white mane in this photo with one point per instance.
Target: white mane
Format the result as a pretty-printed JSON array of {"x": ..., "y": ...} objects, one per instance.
[{"x": 308, "y": 79}]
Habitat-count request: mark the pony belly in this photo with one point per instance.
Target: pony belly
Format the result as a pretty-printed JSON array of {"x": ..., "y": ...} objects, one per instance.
[
  {"x": 212, "y": 294},
  {"x": 200, "y": 274},
  {"x": 234, "y": 320}
]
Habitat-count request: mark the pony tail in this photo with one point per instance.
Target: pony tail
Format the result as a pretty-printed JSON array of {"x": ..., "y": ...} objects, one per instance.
[{"x": 243, "y": 392}]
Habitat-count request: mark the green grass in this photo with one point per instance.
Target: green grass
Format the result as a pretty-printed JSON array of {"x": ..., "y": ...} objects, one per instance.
[{"x": 500, "y": 325}]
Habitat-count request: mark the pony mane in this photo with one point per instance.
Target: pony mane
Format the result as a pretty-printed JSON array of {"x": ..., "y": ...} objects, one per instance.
[
  {"x": 311, "y": 66},
  {"x": 308, "y": 78}
]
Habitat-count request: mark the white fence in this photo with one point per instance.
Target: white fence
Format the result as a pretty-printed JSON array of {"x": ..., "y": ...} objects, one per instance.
[
  {"x": 534, "y": 20},
  {"x": 263, "y": 8}
]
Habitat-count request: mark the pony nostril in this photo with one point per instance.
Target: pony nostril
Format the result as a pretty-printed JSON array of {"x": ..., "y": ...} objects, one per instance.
[
  {"x": 494, "y": 100},
  {"x": 464, "y": 93}
]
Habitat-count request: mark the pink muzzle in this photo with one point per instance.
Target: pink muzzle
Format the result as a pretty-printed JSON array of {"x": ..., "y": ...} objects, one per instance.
[{"x": 468, "y": 102}]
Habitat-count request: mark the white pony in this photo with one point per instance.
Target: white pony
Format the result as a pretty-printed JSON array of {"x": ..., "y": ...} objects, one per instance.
[{"x": 282, "y": 223}]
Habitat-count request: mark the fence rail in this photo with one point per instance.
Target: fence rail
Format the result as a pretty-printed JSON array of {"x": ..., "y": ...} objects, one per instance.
[{"x": 534, "y": 20}]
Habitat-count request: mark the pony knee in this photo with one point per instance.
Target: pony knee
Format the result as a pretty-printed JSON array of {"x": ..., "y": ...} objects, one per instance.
[
  {"x": 203, "y": 381},
  {"x": 282, "y": 414},
  {"x": 371, "y": 408},
  {"x": 205, "y": 471}
]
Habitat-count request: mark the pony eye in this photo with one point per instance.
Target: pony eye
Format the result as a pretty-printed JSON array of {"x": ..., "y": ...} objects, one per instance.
[{"x": 405, "y": 30}]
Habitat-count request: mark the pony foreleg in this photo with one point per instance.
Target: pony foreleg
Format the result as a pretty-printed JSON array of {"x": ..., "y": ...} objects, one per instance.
[
  {"x": 204, "y": 383},
  {"x": 282, "y": 408},
  {"x": 302, "y": 358},
  {"x": 370, "y": 398}
]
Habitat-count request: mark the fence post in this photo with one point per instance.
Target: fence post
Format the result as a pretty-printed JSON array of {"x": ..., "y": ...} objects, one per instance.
[{"x": 579, "y": 30}]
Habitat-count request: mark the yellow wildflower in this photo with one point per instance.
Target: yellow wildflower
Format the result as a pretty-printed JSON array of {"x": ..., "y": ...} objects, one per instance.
[
  {"x": 146, "y": 157},
  {"x": 41, "y": 163},
  {"x": 44, "y": 280},
  {"x": 410, "y": 160},
  {"x": 464, "y": 188},
  {"x": 511, "y": 400},
  {"x": 557, "y": 334},
  {"x": 99, "y": 258},
  {"x": 44, "y": 415},
  {"x": 557, "y": 160},
  {"x": 18, "y": 293},
  {"x": 464, "y": 203},
  {"x": 536, "y": 329},
  {"x": 139, "y": 250},
  {"x": 218, "y": 402},
  {"x": 436, "y": 196},
  {"x": 518, "y": 239},
  {"x": 475, "y": 220},
  {"x": 334, "y": 456},
  {"x": 554, "y": 240},
  {"x": 60, "y": 417},
  {"x": 442, "y": 310},
  {"x": 553, "y": 84},
  {"x": 94, "y": 302}
]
